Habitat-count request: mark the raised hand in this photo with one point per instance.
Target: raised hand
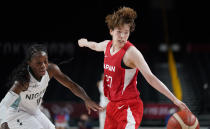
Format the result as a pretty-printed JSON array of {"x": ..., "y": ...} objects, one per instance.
[{"x": 82, "y": 42}]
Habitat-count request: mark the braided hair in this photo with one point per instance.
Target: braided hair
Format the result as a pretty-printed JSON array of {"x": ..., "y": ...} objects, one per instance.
[{"x": 21, "y": 73}]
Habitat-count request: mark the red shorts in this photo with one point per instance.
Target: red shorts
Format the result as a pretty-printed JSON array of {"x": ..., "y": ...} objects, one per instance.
[{"x": 125, "y": 114}]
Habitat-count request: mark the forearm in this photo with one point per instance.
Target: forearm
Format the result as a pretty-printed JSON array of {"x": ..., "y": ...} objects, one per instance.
[
  {"x": 77, "y": 90},
  {"x": 7, "y": 101},
  {"x": 101, "y": 46},
  {"x": 91, "y": 45},
  {"x": 158, "y": 85},
  {"x": 67, "y": 82},
  {"x": 3, "y": 113}
]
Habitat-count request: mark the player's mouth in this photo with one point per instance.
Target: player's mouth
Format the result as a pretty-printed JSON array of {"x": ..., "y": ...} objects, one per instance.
[
  {"x": 121, "y": 41},
  {"x": 42, "y": 72}
]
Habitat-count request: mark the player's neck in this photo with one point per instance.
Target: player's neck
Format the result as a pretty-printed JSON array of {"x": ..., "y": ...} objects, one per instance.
[{"x": 115, "y": 48}]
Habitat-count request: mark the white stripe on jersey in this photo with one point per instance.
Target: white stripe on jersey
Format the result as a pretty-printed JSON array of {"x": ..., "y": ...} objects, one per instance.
[
  {"x": 129, "y": 74},
  {"x": 130, "y": 120}
]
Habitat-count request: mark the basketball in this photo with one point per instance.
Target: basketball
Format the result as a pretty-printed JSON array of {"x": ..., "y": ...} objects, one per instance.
[{"x": 183, "y": 120}]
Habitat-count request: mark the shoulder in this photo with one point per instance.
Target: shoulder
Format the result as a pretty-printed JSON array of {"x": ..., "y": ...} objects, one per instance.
[
  {"x": 132, "y": 50},
  {"x": 52, "y": 68},
  {"x": 131, "y": 56},
  {"x": 105, "y": 41},
  {"x": 19, "y": 87},
  {"x": 104, "y": 44}
]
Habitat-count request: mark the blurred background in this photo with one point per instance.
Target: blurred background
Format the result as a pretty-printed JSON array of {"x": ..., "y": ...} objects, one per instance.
[{"x": 161, "y": 26}]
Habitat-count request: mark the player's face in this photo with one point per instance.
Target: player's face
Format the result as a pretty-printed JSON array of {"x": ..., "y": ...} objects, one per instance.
[
  {"x": 39, "y": 63},
  {"x": 120, "y": 34}
]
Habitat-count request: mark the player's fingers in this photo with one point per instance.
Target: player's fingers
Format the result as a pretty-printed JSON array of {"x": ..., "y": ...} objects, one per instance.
[
  {"x": 99, "y": 108},
  {"x": 183, "y": 106},
  {"x": 89, "y": 111},
  {"x": 96, "y": 107},
  {"x": 88, "y": 108},
  {"x": 186, "y": 108},
  {"x": 93, "y": 108}
]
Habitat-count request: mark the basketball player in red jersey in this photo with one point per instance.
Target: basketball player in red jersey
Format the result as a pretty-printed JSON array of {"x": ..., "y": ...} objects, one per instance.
[{"x": 122, "y": 61}]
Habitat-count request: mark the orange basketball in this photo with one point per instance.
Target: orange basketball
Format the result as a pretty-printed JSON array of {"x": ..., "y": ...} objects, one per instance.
[{"x": 183, "y": 120}]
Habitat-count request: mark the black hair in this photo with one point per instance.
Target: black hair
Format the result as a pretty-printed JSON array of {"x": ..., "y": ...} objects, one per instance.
[{"x": 21, "y": 73}]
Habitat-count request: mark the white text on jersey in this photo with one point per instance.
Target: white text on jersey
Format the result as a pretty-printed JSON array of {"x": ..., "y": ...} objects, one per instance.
[
  {"x": 36, "y": 95},
  {"x": 109, "y": 67}
]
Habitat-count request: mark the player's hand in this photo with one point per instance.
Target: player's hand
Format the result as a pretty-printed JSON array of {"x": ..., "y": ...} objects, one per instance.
[
  {"x": 92, "y": 105},
  {"x": 4, "y": 126},
  {"x": 181, "y": 105},
  {"x": 82, "y": 42}
]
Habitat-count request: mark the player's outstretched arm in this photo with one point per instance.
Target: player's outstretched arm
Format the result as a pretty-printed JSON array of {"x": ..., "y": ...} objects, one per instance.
[
  {"x": 136, "y": 60},
  {"x": 93, "y": 45},
  {"x": 55, "y": 72}
]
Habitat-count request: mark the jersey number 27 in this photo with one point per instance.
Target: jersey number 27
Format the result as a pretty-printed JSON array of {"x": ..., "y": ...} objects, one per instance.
[{"x": 108, "y": 80}]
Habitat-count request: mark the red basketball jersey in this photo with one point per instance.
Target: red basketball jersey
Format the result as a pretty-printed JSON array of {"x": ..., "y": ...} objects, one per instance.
[{"x": 119, "y": 83}]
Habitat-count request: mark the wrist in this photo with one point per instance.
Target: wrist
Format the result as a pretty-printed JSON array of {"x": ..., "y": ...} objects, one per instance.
[
  {"x": 174, "y": 99},
  {"x": 86, "y": 98},
  {"x": 86, "y": 44}
]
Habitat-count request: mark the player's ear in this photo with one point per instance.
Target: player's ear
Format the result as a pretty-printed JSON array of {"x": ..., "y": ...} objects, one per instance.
[
  {"x": 111, "y": 32},
  {"x": 29, "y": 62}
]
